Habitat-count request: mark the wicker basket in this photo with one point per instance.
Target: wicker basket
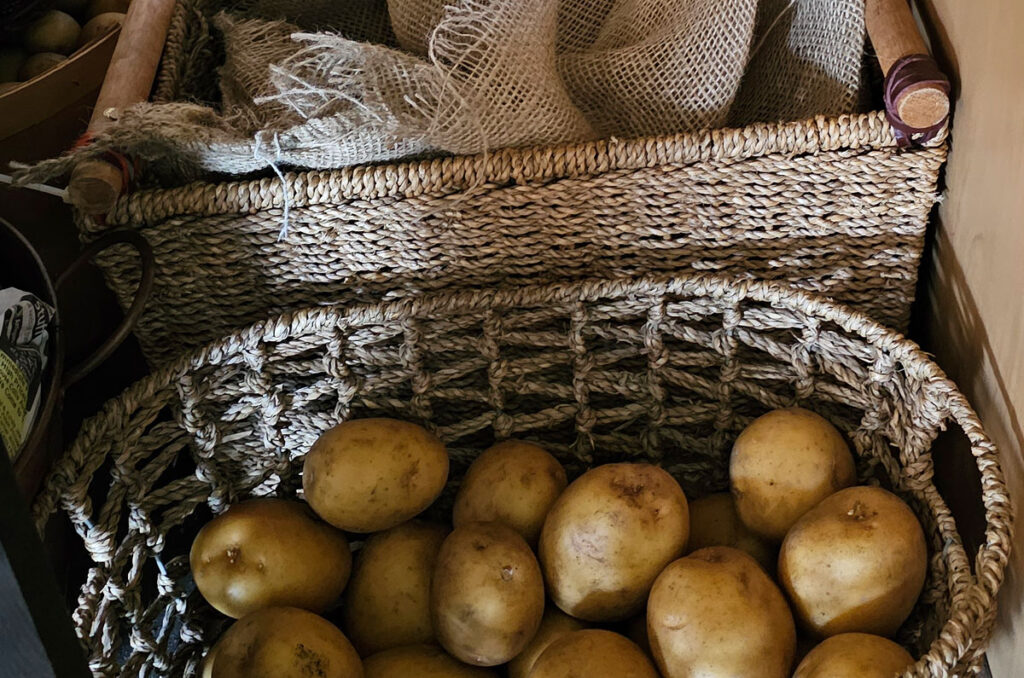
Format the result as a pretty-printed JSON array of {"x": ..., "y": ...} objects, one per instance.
[
  {"x": 660, "y": 369},
  {"x": 831, "y": 205}
]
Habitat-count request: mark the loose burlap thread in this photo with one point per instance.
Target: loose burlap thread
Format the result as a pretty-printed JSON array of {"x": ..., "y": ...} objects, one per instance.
[
  {"x": 660, "y": 369},
  {"x": 338, "y": 84}
]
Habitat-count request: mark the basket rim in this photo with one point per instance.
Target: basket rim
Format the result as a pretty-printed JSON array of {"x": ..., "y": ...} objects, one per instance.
[
  {"x": 963, "y": 635},
  {"x": 862, "y": 132}
]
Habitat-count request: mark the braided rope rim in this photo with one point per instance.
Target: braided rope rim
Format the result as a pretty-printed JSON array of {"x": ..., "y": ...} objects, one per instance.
[
  {"x": 963, "y": 635},
  {"x": 448, "y": 174}
]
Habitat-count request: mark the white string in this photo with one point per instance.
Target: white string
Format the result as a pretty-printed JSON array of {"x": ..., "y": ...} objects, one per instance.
[
  {"x": 273, "y": 162},
  {"x": 61, "y": 193},
  {"x": 768, "y": 31}
]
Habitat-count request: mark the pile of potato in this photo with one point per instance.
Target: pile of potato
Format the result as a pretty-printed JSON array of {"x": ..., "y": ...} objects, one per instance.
[
  {"x": 557, "y": 580},
  {"x": 56, "y": 34}
]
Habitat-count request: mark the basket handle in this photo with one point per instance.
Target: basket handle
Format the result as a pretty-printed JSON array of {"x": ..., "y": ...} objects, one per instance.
[
  {"x": 917, "y": 93},
  {"x": 131, "y": 316},
  {"x": 96, "y": 183}
]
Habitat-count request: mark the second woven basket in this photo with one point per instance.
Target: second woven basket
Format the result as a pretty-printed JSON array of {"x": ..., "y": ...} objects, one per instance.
[{"x": 667, "y": 370}]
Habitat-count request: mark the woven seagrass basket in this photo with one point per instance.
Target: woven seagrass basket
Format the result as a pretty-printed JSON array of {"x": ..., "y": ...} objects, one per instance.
[
  {"x": 831, "y": 205},
  {"x": 661, "y": 369}
]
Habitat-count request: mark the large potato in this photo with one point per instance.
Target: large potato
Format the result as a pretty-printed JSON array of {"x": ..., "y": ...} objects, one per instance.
[
  {"x": 269, "y": 552},
  {"x": 553, "y": 626},
  {"x": 368, "y": 475},
  {"x": 487, "y": 595},
  {"x": 54, "y": 31},
  {"x": 98, "y": 26},
  {"x": 593, "y": 653},
  {"x": 387, "y": 603},
  {"x": 608, "y": 536},
  {"x": 855, "y": 562},
  {"x": 715, "y": 522},
  {"x": 284, "y": 642},
  {"x": 854, "y": 655},
  {"x": 513, "y": 482},
  {"x": 784, "y": 463},
  {"x": 716, "y": 614},
  {"x": 420, "y": 661}
]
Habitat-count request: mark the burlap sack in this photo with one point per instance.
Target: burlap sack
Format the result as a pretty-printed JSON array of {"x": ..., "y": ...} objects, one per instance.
[
  {"x": 649, "y": 67},
  {"x": 806, "y": 61},
  {"x": 326, "y": 90}
]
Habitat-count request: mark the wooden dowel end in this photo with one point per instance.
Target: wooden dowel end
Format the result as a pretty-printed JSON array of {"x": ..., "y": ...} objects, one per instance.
[
  {"x": 894, "y": 34},
  {"x": 923, "y": 107},
  {"x": 95, "y": 186}
]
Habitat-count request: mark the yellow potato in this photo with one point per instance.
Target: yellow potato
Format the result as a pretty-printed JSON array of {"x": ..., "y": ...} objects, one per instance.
[
  {"x": 100, "y": 25},
  {"x": 513, "y": 482},
  {"x": 716, "y": 614},
  {"x": 784, "y": 463},
  {"x": 553, "y": 626},
  {"x": 854, "y": 655},
  {"x": 715, "y": 522},
  {"x": 856, "y": 562},
  {"x": 420, "y": 661},
  {"x": 285, "y": 642},
  {"x": 607, "y": 538},
  {"x": 269, "y": 553},
  {"x": 487, "y": 595},
  {"x": 593, "y": 653},
  {"x": 387, "y": 603},
  {"x": 37, "y": 64},
  {"x": 54, "y": 31},
  {"x": 368, "y": 475}
]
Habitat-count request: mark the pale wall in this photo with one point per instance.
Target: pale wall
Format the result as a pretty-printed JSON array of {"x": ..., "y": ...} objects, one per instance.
[{"x": 976, "y": 299}]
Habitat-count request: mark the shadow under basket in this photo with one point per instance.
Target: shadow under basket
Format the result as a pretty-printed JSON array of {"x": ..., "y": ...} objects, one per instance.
[{"x": 661, "y": 369}]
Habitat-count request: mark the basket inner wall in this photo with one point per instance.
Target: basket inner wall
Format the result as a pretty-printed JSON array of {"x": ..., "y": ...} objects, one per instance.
[{"x": 645, "y": 374}]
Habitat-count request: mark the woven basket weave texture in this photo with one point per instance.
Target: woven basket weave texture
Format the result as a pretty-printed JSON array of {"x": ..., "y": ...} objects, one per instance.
[
  {"x": 667, "y": 370},
  {"x": 830, "y": 205}
]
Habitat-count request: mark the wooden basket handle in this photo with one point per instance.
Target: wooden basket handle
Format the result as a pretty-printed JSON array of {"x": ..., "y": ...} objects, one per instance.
[
  {"x": 895, "y": 36},
  {"x": 95, "y": 184}
]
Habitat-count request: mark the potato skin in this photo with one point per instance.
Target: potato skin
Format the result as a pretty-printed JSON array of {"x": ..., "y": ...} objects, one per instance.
[
  {"x": 782, "y": 465},
  {"x": 420, "y": 661},
  {"x": 54, "y": 31},
  {"x": 856, "y": 562},
  {"x": 607, "y": 538},
  {"x": 854, "y": 655},
  {"x": 715, "y": 522},
  {"x": 368, "y": 475},
  {"x": 285, "y": 642},
  {"x": 553, "y": 626},
  {"x": 513, "y": 482},
  {"x": 593, "y": 653},
  {"x": 269, "y": 553},
  {"x": 716, "y": 614},
  {"x": 387, "y": 603},
  {"x": 487, "y": 595}
]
